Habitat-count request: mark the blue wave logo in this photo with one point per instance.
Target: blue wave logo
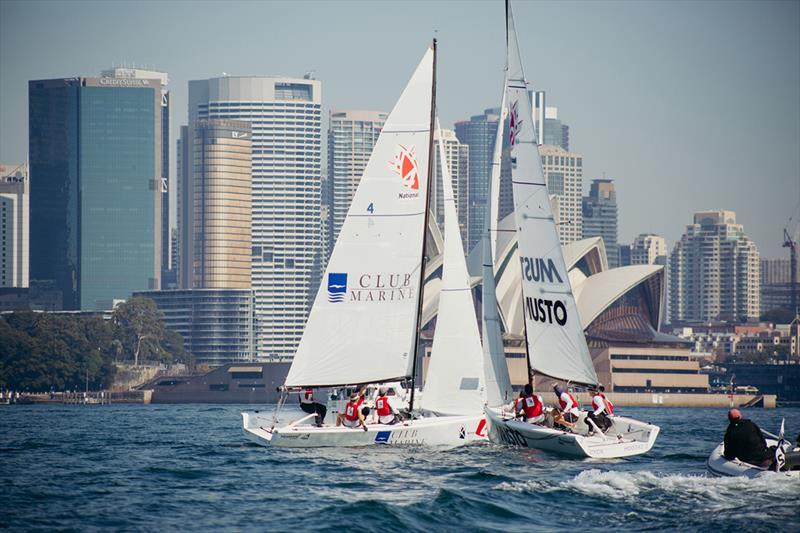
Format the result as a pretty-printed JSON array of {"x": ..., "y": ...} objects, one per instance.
[{"x": 337, "y": 286}]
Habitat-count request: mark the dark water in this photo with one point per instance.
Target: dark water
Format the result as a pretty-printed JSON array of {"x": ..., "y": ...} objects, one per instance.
[{"x": 190, "y": 468}]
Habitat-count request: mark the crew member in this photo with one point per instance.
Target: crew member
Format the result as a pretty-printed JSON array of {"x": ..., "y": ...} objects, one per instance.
[
  {"x": 602, "y": 408},
  {"x": 529, "y": 405},
  {"x": 567, "y": 404},
  {"x": 308, "y": 405},
  {"x": 386, "y": 414},
  {"x": 744, "y": 441},
  {"x": 353, "y": 416}
]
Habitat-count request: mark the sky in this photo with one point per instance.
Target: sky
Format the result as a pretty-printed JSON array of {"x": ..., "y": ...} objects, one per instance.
[{"x": 686, "y": 105}]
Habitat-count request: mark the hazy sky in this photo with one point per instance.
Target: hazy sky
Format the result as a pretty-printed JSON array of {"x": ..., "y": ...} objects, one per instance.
[{"x": 687, "y": 105}]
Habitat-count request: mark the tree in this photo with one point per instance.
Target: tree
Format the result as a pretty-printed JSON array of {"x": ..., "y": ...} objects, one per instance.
[
  {"x": 140, "y": 328},
  {"x": 143, "y": 335},
  {"x": 39, "y": 351}
]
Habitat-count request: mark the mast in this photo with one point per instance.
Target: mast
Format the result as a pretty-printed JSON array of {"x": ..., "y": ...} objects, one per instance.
[
  {"x": 524, "y": 322},
  {"x": 423, "y": 262}
]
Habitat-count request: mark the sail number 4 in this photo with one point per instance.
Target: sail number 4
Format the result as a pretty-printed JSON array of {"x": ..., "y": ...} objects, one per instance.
[{"x": 371, "y": 208}]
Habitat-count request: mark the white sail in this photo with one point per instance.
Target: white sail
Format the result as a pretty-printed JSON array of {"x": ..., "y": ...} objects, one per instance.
[
  {"x": 454, "y": 384},
  {"x": 362, "y": 326},
  {"x": 498, "y": 383},
  {"x": 556, "y": 343}
]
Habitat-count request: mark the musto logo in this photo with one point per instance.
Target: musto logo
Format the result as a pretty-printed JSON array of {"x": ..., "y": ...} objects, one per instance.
[
  {"x": 337, "y": 287},
  {"x": 405, "y": 165},
  {"x": 542, "y": 271}
]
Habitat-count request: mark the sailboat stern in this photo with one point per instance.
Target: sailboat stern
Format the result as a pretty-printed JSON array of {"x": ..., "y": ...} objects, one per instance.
[{"x": 257, "y": 428}]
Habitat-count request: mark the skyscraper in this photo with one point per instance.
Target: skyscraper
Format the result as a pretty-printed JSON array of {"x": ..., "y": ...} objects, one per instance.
[
  {"x": 649, "y": 249},
  {"x": 600, "y": 217},
  {"x": 96, "y": 186},
  {"x": 167, "y": 274},
  {"x": 14, "y": 198},
  {"x": 351, "y": 136},
  {"x": 286, "y": 118},
  {"x": 478, "y": 133},
  {"x": 555, "y": 133},
  {"x": 457, "y": 155},
  {"x": 776, "y": 284},
  {"x": 714, "y": 271},
  {"x": 221, "y": 204},
  {"x": 564, "y": 173}
]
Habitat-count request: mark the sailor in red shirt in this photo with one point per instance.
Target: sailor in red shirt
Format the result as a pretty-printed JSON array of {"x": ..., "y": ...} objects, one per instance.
[
  {"x": 530, "y": 406},
  {"x": 602, "y": 408},
  {"x": 308, "y": 405},
  {"x": 386, "y": 414},
  {"x": 352, "y": 416},
  {"x": 567, "y": 404}
]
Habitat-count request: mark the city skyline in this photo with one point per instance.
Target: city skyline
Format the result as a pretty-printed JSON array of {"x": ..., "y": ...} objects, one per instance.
[{"x": 634, "y": 81}]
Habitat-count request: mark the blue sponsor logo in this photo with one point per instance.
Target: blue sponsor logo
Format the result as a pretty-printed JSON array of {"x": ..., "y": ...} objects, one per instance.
[
  {"x": 337, "y": 286},
  {"x": 383, "y": 437}
]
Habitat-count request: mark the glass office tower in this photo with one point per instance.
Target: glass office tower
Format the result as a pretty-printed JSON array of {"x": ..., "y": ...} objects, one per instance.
[{"x": 96, "y": 164}]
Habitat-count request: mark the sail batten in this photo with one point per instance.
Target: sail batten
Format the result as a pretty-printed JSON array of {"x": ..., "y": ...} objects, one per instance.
[
  {"x": 362, "y": 325},
  {"x": 556, "y": 343}
]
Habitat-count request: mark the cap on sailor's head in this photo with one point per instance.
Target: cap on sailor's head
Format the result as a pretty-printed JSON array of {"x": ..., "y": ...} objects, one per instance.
[
  {"x": 354, "y": 396},
  {"x": 734, "y": 414},
  {"x": 382, "y": 391},
  {"x": 558, "y": 388}
]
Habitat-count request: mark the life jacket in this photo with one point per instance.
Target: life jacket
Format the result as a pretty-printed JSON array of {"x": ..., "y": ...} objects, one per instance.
[
  {"x": 596, "y": 399},
  {"x": 609, "y": 405},
  {"x": 351, "y": 410},
  {"x": 382, "y": 406},
  {"x": 530, "y": 405},
  {"x": 307, "y": 396},
  {"x": 563, "y": 404}
]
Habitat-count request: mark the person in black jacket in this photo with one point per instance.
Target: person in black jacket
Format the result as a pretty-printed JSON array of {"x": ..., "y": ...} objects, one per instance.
[{"x": 744, "y": 441}]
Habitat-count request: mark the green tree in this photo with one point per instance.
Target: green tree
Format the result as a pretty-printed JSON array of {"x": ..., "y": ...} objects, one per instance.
[
  {"x": 143, "y": 336},
  {"x": 140, "y": 328},
  {"x": 39, "y": 351}
]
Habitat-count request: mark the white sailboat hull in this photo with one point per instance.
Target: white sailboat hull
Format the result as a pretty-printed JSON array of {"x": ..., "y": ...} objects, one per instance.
[
  {"x": 625, "y": 438},
  {"x": 719, "y": 466},
  {"x": 434, "y": 431}
]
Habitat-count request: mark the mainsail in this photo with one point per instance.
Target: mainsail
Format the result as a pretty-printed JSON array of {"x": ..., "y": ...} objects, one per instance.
[
  {"x": 453, "y": 385},
  {"x": 556, "y": 343},
  {"x": 498, "y": 383},
  {"x": 362, "y": 326}
]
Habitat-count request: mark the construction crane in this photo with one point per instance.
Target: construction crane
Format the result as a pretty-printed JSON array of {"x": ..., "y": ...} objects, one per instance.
[{"x": 791, "y": 244}]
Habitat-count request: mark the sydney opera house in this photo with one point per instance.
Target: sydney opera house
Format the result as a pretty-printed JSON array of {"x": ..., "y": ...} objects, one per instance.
[{"x": 620, "y": 310}]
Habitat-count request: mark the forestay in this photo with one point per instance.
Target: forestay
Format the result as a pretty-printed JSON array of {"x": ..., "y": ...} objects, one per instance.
[
  {"x": 361, "y": 328},
  {"x": 454, "y": 384},
  {"x": 498, "y": 383},
  {"x": 556, "y": 344}
]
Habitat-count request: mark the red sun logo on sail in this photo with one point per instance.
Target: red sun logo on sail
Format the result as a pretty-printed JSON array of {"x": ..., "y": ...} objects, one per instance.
[
  {"x": 514, "y": 124},
  {"x": 405, "y": 164}
]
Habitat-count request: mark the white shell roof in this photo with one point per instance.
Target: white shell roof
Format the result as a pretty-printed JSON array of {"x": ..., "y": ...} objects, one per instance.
[{"x": 593, "y": 294}]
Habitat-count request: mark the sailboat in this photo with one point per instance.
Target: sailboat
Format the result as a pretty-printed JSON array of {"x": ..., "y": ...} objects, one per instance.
[
  {"x": 364, "y": 325},
  {"x": 553, "y": 332}
]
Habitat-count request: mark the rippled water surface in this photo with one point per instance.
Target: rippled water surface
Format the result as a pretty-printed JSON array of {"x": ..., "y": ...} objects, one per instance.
[{"x": 133, "y": 467}]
